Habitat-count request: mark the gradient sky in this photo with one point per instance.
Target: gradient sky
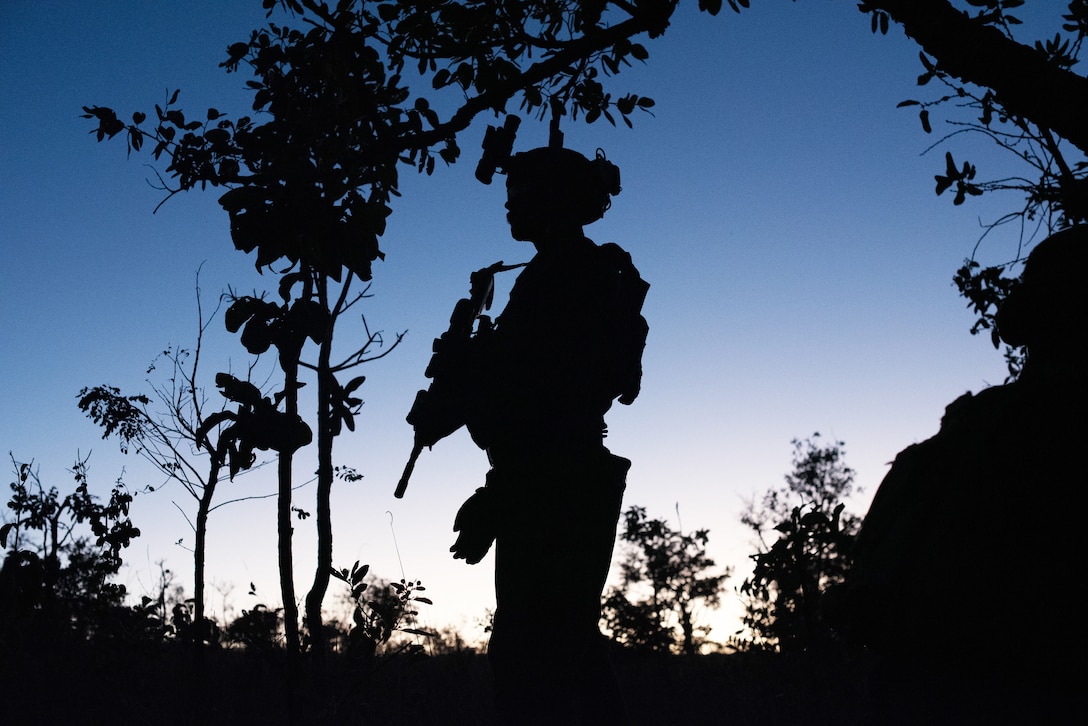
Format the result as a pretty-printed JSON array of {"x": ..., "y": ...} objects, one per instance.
[{"x": 777, "y": 201}]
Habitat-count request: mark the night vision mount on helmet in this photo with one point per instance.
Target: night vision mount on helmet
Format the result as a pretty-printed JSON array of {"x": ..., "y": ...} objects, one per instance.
[{"x": 590, "y": 183}]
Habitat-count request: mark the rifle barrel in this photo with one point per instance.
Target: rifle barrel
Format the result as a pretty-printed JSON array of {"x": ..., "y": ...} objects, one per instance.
[{"x": 402, "y": 485}]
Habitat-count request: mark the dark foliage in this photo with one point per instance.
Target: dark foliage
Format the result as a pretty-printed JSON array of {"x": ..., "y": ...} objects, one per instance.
[
  {"x": 257, "y": 628},
  {"x": 665, "y": 580},
  {"x": 811, "y": 551},
  {"x": 56, "y": 582},
  {"x": 379, "y": 610}
]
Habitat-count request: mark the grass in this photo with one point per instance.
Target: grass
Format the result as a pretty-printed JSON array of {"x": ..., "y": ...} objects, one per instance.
[
  {"x": 154, "y": 684},
  {"x": 159, "y": 684}
]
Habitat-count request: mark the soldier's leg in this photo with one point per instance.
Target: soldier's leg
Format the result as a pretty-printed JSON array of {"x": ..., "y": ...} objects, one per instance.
[{"x": 553, "y": 553}]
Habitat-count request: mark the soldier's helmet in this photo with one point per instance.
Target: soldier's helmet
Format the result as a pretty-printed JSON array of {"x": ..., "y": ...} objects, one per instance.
[
  {"x": 1048, "y": 307},
  {"x": 560, "y": 180}
]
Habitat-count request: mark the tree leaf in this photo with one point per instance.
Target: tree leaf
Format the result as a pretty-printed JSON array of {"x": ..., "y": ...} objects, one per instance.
[{"x": 4, "y": 532}]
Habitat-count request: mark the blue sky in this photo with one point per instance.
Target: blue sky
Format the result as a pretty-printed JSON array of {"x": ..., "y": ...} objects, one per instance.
[{"x": 777, "y": 201}]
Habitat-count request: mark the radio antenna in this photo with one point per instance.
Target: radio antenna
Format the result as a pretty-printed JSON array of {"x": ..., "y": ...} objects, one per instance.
[{"x": 555, "y": 136}]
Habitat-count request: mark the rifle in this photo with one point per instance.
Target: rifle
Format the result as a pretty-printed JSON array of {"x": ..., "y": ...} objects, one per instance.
[{"x": 435, "y": 413}]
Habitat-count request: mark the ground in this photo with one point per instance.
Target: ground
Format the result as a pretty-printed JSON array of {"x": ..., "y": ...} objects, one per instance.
[{"x": 158, "y": 685}]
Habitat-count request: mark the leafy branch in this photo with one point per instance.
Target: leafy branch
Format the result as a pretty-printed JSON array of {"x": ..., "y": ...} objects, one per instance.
[{"x": 1016, "y": 96}]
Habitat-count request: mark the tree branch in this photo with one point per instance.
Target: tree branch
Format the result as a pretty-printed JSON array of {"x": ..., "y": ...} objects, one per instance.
[
  {"x": 1020, "y": 77},
  {"x": 497, "y": 96}
]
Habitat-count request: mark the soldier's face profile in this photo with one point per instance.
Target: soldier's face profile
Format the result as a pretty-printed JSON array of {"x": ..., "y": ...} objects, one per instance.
[
  {"x": 536, "y": 210},
  {"x": 523, "y": 211}
]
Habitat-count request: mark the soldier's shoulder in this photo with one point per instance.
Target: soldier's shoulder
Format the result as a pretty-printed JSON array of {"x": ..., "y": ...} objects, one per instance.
[
  {"x": 984, "y": 408},
  {"x": 614, "y": 254},
  {"x": 616, "y": 260}
]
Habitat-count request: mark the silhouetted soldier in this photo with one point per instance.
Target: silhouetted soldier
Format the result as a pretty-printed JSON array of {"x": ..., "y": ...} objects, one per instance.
[
  {"x": 533, "y": 391},
  {"x": 969, "y": 564}
]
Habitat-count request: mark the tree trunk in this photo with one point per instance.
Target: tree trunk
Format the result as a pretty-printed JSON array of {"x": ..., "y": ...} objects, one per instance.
[
  {"x": 285, "y": 528},
  {"x": 688, "y": 627},
  {"x": 200, "y": 628},
  {"x": 325, "y": 436}
]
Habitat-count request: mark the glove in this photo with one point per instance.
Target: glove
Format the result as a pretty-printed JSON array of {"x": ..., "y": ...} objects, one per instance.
[{"x": 477, "y": 523}]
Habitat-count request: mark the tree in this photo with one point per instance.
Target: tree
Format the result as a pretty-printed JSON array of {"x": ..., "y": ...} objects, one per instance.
[
  {"x": 665, "y": 580},
  {"x": 1021, "y": 97},
  {"x": 811, "y": 552},
  {"x": 55, "y": 578},
  {"x": 176, "y": 439},
  {"x": 379, "y": 609},
  {"x": 256, "y": 629},
  {"x": 309, "y": 189}
]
